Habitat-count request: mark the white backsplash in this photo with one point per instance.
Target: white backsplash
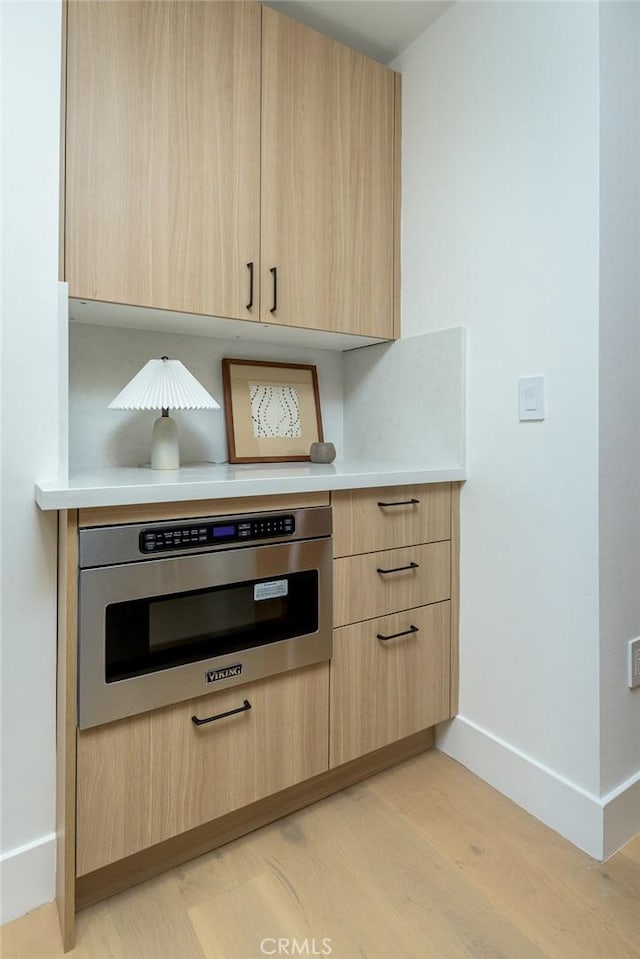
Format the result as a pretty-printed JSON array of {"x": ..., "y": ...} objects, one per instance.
[
  {"x": 405, "y": 401},
  {"x": 400, "y": 402},
  {"x": 103, "y": 359}
]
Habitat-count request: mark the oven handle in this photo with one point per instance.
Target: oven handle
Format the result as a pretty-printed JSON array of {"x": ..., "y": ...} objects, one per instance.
[{"x": 231, "y": 712}]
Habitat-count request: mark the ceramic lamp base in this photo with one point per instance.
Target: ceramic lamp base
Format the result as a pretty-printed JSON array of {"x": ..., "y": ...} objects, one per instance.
[{"x": 165, "y": 452}]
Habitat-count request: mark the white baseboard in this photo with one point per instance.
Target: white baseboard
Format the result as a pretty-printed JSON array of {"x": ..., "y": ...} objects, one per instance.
[
  {"x": 574, "y": 813},
  {"x": 27, "y": 877},
  {"x": 598, "y": 825},
  {"x": 621, "y": 815}
]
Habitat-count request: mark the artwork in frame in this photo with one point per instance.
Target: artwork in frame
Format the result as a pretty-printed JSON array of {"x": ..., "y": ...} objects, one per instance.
[{"x": 272, "y": 410}]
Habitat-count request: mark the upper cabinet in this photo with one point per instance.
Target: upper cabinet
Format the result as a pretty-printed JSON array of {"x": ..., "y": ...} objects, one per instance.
[
  {"x": 327, "y": 182},
  {"x": 222, "y": 159},
  {"x": 163, "y": 154}
]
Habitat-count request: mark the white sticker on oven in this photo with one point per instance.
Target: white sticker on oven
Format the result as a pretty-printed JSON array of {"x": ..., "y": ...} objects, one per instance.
[{"x": 277, "y": 587}]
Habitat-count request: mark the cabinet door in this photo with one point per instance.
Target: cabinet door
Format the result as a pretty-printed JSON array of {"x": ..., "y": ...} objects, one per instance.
[
  {"x": 145, "y": 779},
  {"x": 385, "y": 689},
  {"x": 163, "y": 154},
  {"x": 327, "y": 182}
]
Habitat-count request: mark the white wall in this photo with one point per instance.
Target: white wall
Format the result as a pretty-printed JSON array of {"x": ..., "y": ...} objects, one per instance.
[
  {"x": 500, "y": 233},
  {"x": 30, "y": 143},
  {"x": 103, "y": 359},
  {"x": 619, "y": 388}
]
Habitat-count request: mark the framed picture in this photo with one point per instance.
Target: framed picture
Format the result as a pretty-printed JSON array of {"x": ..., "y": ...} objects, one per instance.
[{"x": 272, "y": 410}]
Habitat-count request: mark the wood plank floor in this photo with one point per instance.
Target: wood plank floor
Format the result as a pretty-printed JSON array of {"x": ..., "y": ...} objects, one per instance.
[{"x": 424, "y": 861}]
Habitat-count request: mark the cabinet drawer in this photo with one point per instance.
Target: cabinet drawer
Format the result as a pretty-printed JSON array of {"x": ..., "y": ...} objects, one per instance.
[
  {"x": 360, "y": 591},
  {"x": 362, "y": 525},
  {"x": 145, "y": 779},
  {"x": 383, "y": 690}
]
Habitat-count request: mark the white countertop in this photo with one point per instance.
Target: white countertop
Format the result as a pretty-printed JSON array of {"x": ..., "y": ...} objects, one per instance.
[{"x": 140, "y": 484}]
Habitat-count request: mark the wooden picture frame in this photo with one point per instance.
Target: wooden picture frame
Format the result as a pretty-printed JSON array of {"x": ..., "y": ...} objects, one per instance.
[{"x": 272, "y": 410}]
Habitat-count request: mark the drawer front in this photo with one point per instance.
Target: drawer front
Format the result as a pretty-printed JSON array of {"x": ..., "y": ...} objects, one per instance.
[
  {"x": 361, "y": 592},
  {"x": 362, "y": 525},
  {"x": 115, "y": 515},
  {"x": 383, "y": 690},
  {"x": 145, "y": 779}
]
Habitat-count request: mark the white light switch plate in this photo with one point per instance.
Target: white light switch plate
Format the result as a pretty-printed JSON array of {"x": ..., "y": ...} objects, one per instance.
[
  {"x": 531, "y": 400},
  {"x": 634, "y": 663}
]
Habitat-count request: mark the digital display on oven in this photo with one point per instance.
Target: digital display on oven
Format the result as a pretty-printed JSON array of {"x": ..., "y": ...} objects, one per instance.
[
  {"x": 220, "y": 531},
  {"x": 266, "y": 526}
]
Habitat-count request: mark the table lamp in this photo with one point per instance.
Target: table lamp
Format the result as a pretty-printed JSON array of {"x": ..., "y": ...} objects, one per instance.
[{"x": 164, "y": 384}]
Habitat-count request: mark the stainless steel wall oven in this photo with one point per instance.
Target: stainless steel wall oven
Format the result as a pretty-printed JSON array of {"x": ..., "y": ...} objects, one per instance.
[{"x": 173, "y": 610}]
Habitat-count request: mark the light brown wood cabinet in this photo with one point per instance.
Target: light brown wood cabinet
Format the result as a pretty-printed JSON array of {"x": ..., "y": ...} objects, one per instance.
[
  {"x": 328, "y": 157},
  {"x": 395, "y": 616},
  {"x": 163, "y": 154},
  {"x": 223, "y": 159},
  {"x": 139, "y": 795},
  {"x": 390, "y": 678},
  {"x": 146, "y": 779}
]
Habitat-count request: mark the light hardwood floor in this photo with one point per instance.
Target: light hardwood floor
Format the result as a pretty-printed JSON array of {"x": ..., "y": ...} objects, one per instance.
[{"x": 423, "y": 861}]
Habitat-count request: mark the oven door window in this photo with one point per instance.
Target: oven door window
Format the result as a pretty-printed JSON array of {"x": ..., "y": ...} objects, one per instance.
[{"x": 146, "y": 635}]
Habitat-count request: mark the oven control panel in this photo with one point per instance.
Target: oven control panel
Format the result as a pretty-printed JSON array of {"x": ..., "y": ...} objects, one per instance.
[{"x": 155, "y": 539}]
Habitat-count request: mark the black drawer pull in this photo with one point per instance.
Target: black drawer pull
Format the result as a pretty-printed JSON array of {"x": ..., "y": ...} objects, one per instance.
[
  {"x": 398, "y": 569},
  {"x": 274, "y": 274},
  {"x": 231, "y": 712},
  {"x": 406, "y": 632},
  {"x": 250, "y": 303},
  {"x": 403, "y": 502}
]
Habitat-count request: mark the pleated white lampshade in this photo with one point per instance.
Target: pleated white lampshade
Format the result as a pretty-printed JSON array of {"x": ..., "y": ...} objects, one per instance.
[{"x": 164, "y": 385}]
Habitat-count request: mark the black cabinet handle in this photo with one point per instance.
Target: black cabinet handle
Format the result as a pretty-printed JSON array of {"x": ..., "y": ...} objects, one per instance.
[
  {"x": 274, "y": 274},
  {"x": 232, "y": 712},
  {"x": 250, "y": 268},
  {"x": 406, "y": 632},
  {"x": 399, "y": 569},
  {"x": 404, "y": 502}
]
